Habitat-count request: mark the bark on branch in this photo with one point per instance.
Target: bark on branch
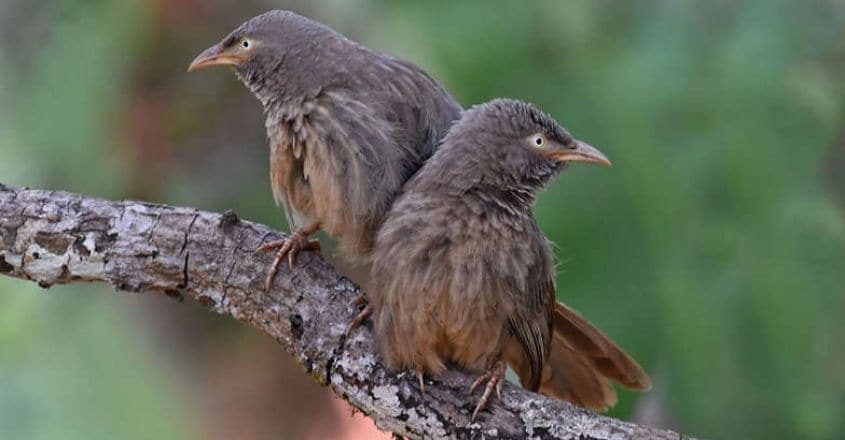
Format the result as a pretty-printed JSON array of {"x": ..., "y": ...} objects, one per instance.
[{"x": 52, "y": 237}]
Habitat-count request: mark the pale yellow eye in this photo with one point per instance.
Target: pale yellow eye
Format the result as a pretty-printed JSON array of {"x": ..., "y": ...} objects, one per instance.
[{"x": 538, "y": 140}]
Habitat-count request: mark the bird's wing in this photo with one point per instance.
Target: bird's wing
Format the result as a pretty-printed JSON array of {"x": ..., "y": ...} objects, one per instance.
[
  {"x": 421, "y": 108},
  {"x": 531, "y": 322},
  {"x": 367, "y": 137}
]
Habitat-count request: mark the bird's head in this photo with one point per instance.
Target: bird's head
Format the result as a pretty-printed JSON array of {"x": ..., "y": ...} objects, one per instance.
[
  {"x": 514, "y": 141},
  {"x": 277, "y": 46}
]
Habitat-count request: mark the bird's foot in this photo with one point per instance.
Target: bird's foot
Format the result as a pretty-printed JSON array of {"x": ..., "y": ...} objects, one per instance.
[
  {"x": 495, "y": 378},
  {"x": 290, "y": 247},
  {"x": 362, "y": 316}
]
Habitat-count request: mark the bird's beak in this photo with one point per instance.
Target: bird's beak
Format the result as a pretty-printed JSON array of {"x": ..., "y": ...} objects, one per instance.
[
  {"x": 215, "y": 56},
  {"x": 583, "y": 152}
]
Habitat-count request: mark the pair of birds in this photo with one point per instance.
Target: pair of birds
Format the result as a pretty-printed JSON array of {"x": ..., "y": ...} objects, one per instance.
[{"x": 435, "y": 199}]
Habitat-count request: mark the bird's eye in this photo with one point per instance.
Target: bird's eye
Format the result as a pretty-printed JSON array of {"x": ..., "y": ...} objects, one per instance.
[
  {"x": 538, "y": 140},
  {"x": 245, "y": 44}
]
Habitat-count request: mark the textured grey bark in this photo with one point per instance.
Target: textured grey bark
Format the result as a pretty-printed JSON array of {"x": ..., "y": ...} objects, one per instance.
[{"x": 53, "y": 237}]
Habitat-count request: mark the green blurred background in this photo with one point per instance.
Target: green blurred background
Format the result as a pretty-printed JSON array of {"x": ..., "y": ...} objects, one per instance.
[{"x": 713, "y": 250}]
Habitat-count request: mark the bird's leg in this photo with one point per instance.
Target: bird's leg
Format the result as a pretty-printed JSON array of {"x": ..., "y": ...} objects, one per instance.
[
  {"x": 290, "y": 246},
  {"x": 362, "y": 316},
  {"x": 495, "y": 378}
]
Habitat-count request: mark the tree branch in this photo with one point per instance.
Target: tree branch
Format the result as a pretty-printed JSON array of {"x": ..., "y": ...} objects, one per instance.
[{"x": 54, "y": 237}]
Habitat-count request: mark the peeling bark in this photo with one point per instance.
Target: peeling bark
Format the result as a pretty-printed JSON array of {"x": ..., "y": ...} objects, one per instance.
[{"x": 56, "y": 238}]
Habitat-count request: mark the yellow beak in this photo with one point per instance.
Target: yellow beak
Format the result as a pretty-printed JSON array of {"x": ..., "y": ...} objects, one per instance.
[
  {"x": 215, "y": 56},
  {"x": 583, "y": 152}
]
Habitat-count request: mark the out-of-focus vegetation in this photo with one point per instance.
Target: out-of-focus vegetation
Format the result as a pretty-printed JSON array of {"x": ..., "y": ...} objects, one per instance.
[{"x": 713, "y": 250}]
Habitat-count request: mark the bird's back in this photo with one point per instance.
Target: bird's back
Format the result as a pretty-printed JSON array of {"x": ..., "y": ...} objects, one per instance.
[{"x": 341, "y": 154}]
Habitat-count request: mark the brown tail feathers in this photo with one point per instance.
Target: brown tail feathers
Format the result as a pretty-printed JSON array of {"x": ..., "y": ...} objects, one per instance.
[{"x": 581, "y": 363}]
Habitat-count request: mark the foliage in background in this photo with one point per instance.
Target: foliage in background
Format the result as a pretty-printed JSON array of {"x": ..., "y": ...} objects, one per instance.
[
  {"x": 72, "y": 365},
  {"x": 712, "y": 250}
]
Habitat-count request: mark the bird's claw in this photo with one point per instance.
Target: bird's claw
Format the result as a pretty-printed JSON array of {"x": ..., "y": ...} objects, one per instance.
[
  {"x": 421, "y": 378},
  {"x": 495, "y": 378},
  {"x": 362, "y": 316},
  {"x": 358, "y": 301},
  {"x": 290, "y": 247}
]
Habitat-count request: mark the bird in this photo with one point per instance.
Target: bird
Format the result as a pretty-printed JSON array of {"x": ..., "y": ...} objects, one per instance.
[
  {"x": 347, "y": 126},
  {"x": 465, "y": 276}
]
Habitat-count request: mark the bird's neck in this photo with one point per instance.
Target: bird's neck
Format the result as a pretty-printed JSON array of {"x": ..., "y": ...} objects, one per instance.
[
  {"x": 488, "y": 179},
  {"x": 493, "y": 189},
  {"x": 516, "y": 197},
  {"x": 274, "y": 89},
  {"x": 520, "y": 191}
]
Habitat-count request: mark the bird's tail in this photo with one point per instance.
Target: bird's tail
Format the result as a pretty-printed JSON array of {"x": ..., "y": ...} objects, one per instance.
[{"x": 582, "y": 362}]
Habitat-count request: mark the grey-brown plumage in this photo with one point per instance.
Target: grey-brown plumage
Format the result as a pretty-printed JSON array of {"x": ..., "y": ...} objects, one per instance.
[
  {"x": 347, "y": 125},
  {"x": 465, "y": 275}
]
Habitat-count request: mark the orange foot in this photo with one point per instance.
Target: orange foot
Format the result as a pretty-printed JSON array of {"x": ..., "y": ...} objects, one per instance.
[
  {"x": 290, "y": 247},
  {"x": 495, "y": 378}
]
